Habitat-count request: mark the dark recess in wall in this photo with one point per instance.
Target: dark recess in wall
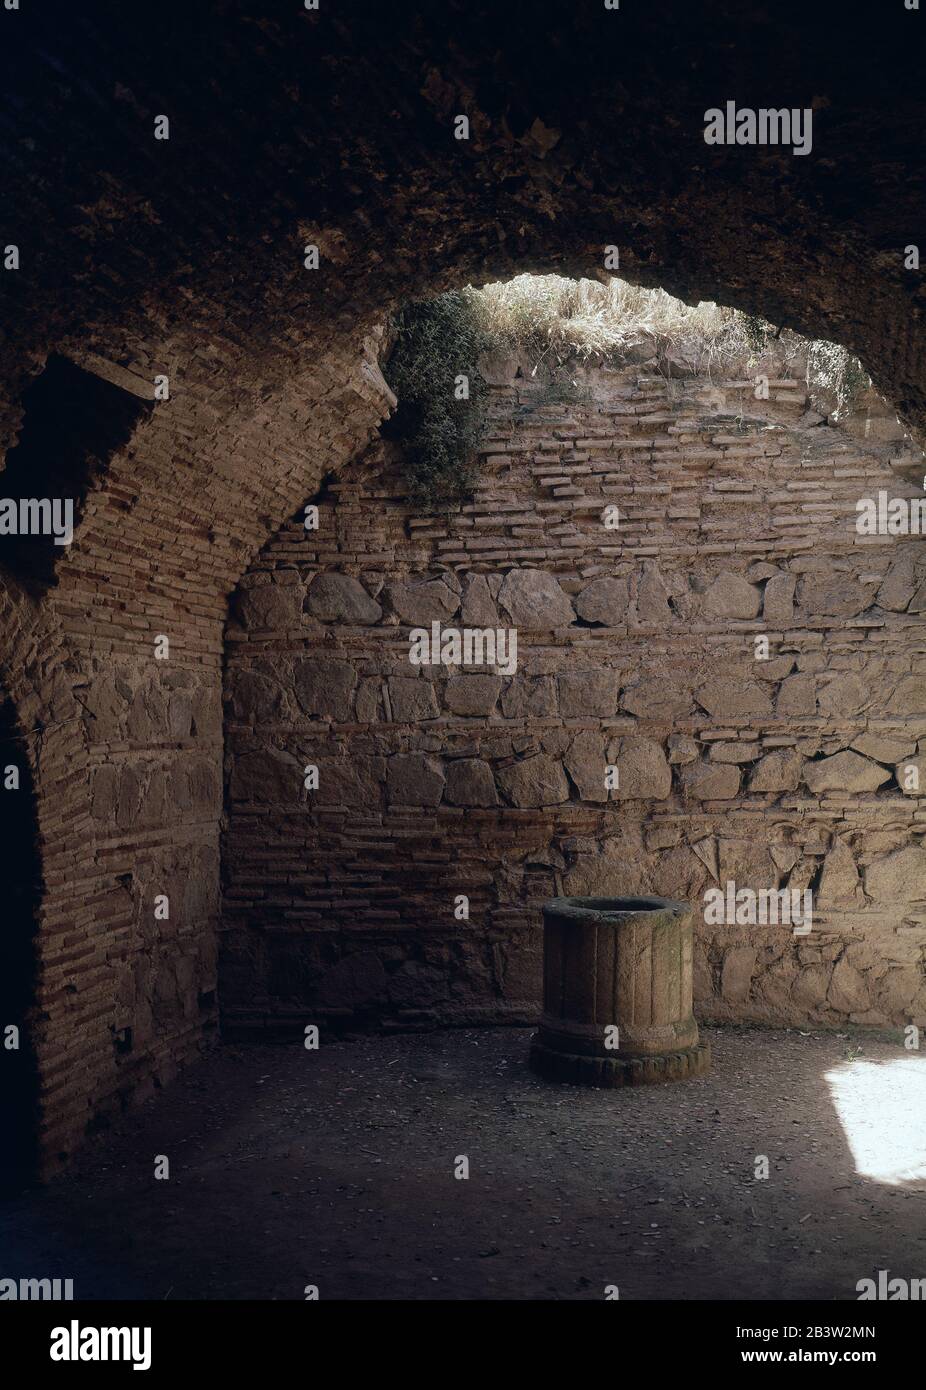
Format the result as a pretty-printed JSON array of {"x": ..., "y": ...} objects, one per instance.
[{"x": 73, "y": 423}]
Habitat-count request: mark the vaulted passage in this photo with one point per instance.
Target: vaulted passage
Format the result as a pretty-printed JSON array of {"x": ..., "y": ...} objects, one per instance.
[{"x": 246, "y": 807}]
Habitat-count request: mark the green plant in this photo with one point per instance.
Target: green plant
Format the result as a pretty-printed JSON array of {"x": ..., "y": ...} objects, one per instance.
[
  {"x": 756, "y": 332},
  {"x": 833, "y": 374},
  {"x": 440, "y": 417}
]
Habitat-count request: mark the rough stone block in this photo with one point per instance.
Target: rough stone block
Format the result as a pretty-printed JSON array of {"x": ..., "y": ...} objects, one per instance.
[
  {"x": 710, "y": 781},
  {"x": 604, "y": 601},
  {"x": 470, "y": 783},
  {"x": 585, "y": 694},
  {"x": 339, "y": 598},
  {"x": 472, "y": 695},
  {"x": 412, "y": 699},
  {"x": 324, "y": 687},
  {"x": 533, "y": 599},
  {"x": 537, "y": 781},
  {"x": 414, "y": 779}
]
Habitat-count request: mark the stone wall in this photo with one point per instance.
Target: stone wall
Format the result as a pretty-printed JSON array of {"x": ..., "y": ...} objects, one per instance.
[
  {"x": 138, "y": 257},
  {"x": 636, "y": 649},
  {"x": 122, "y": 735}
]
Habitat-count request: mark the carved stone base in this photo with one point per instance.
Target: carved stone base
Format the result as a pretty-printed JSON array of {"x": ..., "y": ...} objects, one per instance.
[
  {"x": 617, "y": 987},
  {"x": 619, "y": 1071}
]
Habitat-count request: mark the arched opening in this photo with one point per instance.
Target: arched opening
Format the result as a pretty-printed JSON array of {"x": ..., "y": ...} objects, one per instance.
[
  {"x": 244, "y": 260},
  {"x": 702, "y": 679}
]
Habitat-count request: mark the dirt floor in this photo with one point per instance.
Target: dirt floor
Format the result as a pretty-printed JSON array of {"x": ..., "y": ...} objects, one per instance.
[{"x": 336, "y": 1168}]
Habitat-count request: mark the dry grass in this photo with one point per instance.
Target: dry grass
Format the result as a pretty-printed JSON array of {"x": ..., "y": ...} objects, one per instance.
[
  {"x": 555, "y": 323},
  {"x": 554, "y": 319}
]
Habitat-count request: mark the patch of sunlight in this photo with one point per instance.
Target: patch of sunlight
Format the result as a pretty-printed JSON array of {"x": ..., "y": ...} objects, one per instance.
[{"x": 882, "y": 1109}]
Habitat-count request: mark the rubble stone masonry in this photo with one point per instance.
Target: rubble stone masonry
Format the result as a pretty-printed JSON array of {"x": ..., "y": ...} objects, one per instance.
[
  {"x": 184, "y": 259},
  {"x": 636, "y": 648}
]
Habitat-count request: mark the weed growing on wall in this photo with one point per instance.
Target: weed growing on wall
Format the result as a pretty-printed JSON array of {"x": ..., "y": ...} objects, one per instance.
[
  {"x": 440, "y": 418},
  {"x": 833, "y": 374},
  {"x": 756, "y": 333}
]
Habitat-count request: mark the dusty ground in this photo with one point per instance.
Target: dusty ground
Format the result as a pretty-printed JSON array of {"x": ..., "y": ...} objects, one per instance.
[{"x": 336, "y": 1168}]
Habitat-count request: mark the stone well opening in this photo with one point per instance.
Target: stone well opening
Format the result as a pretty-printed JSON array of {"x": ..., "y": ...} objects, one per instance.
[{"x": 748, "y": 664}]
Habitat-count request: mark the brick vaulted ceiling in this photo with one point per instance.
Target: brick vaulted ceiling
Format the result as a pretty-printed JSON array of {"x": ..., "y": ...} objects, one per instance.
[
  {"x": 336, "y": 126},
  {"x": 184, "y": 257}
]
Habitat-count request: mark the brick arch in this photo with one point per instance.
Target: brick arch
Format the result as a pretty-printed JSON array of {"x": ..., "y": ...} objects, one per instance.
[
  {"x": 127, "y": 748},
  {"x": 574, "y": 145},
  {"x": 186, "y": 259}
]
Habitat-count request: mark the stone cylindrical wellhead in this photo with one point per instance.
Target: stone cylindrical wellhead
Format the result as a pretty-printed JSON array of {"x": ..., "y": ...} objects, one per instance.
[{"x": 617, "y": 985}]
